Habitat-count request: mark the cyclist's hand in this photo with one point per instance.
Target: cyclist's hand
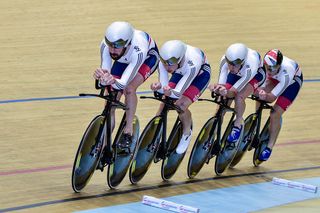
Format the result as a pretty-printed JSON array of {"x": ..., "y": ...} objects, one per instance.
[
  {"x": 262, "y": 95},
  {"x": 98, "y": 73},
  {"x": 107, "y": 79},
  {"x": 223, "y": 91},
  {"x": 219, "y": 89},
  {"x": 167, "y": 90},
  {"x": 212, "y": 87},
  {"x": 156, "y": 86}
]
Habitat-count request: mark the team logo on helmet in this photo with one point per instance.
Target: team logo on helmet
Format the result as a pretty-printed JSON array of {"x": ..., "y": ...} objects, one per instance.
[{"x": 271, "y": 58}]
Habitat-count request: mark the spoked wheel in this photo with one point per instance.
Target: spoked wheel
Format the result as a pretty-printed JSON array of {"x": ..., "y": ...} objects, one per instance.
[
  {"x": 245, "y": 143},
  {"x": 88, "y": 154},
  {"x": 171, "y": 162},
  {"x": 148, "y": 144},
  {"x": 227, "y": 152},
  {"x": 264, "y": 140},
  {"x": 118, "y": 169},
  {"x": 202, "y": 147}
]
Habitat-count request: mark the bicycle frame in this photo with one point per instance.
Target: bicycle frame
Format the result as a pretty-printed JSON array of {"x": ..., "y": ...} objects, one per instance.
[
  {"x": 96, "y": 143},
  {"x": 223, "y": 108},
  {"x": 257, "y": 117},
  {"x": 111, "y": 102},
  {"x": 162, "y": 149}
]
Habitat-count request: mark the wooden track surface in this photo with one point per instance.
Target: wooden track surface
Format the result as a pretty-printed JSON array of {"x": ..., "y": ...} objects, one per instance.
[{"x": 51, "y": 48}]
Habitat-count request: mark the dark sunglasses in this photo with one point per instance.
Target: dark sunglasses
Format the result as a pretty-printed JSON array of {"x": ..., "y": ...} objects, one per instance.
[
  {"x": 170, "y": 61},
  {"x": 236, "y": 62},
  {"x": 272, "y": 69},
  {"x": 117, "y": 44}
]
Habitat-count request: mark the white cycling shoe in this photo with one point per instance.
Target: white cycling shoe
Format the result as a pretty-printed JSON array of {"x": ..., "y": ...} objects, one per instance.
[{"x": 184, "y": 143}]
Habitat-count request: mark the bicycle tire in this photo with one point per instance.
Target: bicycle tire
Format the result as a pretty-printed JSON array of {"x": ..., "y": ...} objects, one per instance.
[
  {"x": 263, "y": 142},
  {"x": 227, "y": 152},
  {"x": 246, "y": 140},
  {"x": 118, "y": 169},
  {"x": 171, "y": 162},
  {"x": 202, "y": 147},
  {"x": 85, "y": 162},
  {"x": 144, "y": 156}
]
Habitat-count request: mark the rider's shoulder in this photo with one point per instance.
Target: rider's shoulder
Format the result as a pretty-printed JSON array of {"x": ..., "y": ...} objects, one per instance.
[
  {"x": 140, "y": 41},
  {"x": 288, "y": 64},
  {"x": 253, "y": 58}
]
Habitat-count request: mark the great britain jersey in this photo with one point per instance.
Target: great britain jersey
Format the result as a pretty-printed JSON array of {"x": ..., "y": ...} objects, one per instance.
[
  {"x": 141, "y": 45},
  {"x": 249, "y": 69},
  {"x": 194, "y": 60}
]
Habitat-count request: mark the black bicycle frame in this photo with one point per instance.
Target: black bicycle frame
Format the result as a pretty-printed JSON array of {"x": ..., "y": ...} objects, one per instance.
[
  {"x": 257, "y": 120},
  {"x": 168, "y": 105},
  {"x": 111, "y": 102},
  {"x": 223, "y": 107}
]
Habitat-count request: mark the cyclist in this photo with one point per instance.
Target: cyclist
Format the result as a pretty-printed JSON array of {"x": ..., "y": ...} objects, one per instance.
[
  {"x": 135, "y": 55},
  {"x": 190, "y": 75},
  {"x": 240, "y": 75},
  {"x": 284, "y": 80}
]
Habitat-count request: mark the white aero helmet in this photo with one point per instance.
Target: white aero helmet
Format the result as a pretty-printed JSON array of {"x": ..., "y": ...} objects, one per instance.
[
  {"x": 119, "y": 34},
  {"x": 172, "y": 52},
  {"x": 236, "y": 54}
]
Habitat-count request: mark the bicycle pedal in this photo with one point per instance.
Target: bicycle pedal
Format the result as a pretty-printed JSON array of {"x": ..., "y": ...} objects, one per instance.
[
  {"x": 159, "y": 156},
  {"x": 254, "y": 144},
  {"x": 108, "y": 158},
  {"x": 215, "y": 150},
  {"x": 100, "y": 166},
  {"x": 156, "y": 160},
  {"x": 209, "y": 158}
]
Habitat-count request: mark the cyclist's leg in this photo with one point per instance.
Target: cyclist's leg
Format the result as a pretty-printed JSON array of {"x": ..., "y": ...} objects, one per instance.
[
  {"x": 240, "y": 104},
  {"x": 275, "y": 124},
  {"x": 194, "y": 91},
  {"x": 281, "y": 105},
  {"x": 236, "y": 130},
  {"x": 146, "y": 69},
  {"x": 131, "y": 101},
  {"x": 185, "y": 117},
  {"x": 186, "y": 120},
  {"x": 250, "y": 88}
]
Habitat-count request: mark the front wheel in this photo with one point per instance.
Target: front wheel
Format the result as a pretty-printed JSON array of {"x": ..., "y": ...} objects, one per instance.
[
  {"x": 118, "y": 169},
  {"x": 202, "y": 147},
  {"x": 88, "y": 153}
]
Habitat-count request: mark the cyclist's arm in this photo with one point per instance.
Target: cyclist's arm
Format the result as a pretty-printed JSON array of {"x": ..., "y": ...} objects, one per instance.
[
  {"x": 284, "y": 82},
  {"x": 163, "y": 75},
  {"x": 223, "y": 72},
  {"x": 106, "y": 61},
  {"x": 243, "y": 81},
  {"x": 185, "y": 81},
  {"x": 130, "y": 72}
]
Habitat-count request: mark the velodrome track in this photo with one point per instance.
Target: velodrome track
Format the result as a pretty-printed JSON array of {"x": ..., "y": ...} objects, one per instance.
[{"x": 48, "y": 53}]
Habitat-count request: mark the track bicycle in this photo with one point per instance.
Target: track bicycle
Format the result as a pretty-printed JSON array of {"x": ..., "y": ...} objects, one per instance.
[
  {"x": 154, "y": 145},
  {"x": 96, "y": 149}
]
